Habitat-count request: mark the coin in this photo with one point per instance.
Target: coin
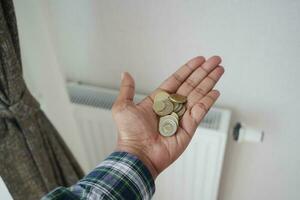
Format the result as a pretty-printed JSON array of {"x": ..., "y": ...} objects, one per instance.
[
  {"x": 168, "y": 108},
  {"x": 177, "y": 98},
  {"x": 181, "y": 112},
  {"x": 158, "y": 106},
  {"x": 177, "y": 106},
  {"x": 175, "y": 115},
  {"x": 167, "y": 126},
  {"x": 170, "y": 117},
  {"x": 161, "y": 95},
  {"x": 173, "y": 118}
]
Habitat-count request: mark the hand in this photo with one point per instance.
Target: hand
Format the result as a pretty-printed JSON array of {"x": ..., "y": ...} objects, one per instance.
[{"x": 138, "y": 125}]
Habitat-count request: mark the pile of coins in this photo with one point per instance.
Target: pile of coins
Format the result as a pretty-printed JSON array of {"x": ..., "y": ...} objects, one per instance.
[{"x": 170, "y": 108}]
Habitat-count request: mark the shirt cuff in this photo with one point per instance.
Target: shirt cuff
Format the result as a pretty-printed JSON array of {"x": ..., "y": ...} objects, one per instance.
[{"x": 120, "y": 176}]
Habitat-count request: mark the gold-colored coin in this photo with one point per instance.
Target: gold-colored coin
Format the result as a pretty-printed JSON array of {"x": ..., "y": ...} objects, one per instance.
[
  {"x": 175, "y": 115},
  {"x": 177, "y": 98},
  {"x": 177, "y": 106},
  {"x": 172, "y": 117},
  {"x": 181, "y": 112},
  {"x": 158, "y": 106},
  {"x": 161, "y": 95},
  {"x": 168, "y": 108},
  {"x": 167, "y": 126}
]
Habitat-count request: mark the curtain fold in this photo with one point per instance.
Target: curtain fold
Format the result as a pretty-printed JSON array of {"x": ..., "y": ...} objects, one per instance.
[{"x": 33, "y": 157}]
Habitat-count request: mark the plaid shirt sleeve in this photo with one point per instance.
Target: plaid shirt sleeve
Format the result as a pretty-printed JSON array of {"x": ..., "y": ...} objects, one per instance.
[{"x": 120, "y": 176}]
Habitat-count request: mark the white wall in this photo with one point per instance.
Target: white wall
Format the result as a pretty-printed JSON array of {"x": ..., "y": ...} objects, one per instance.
[{"x": 259, "y": 40}]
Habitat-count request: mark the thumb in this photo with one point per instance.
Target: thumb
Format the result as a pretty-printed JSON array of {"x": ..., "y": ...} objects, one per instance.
[{"x": 126, "y": 89}]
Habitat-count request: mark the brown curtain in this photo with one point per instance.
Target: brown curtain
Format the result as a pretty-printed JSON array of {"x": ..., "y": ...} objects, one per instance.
[{"x": 33, "y": 157}]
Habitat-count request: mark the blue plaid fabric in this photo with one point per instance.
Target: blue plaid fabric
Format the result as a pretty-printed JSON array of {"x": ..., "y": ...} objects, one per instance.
[{"x": 120, "y": 176}]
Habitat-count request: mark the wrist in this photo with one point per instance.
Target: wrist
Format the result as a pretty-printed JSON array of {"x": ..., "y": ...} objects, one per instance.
[{"x": 141, "y": 154}]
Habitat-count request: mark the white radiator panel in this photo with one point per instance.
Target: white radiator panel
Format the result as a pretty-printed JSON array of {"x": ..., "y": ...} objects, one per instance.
[
  {"x": 98, "y": 132},
  {"x": 195, "y": 175}
]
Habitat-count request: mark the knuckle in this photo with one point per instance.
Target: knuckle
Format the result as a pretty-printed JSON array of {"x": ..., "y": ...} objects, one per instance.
[
  {"x": 211, "y": 98},
  {"x": 178, "y": 78},
  {"x": 200, "y": 91},
  {"x": 190, "y": 83},
  {"x": 211, "y": 79},
  {"x": 203, "y": 106},
  {"x": 204, "y": 71},
  {"x": 150, "y": 99},
  {"x": 188, "y": 67},
  {"x": 128, "y": 86}
]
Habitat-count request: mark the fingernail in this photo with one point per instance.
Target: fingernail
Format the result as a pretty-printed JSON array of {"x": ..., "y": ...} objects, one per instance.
[{"x": 122, "y": 75}]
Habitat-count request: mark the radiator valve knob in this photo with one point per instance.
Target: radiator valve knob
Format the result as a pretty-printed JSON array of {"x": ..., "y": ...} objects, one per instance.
[{"x": 243, "y": 133}]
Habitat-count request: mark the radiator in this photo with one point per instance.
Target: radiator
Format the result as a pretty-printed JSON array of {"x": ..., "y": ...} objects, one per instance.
[{"x": 195, "y": 175}]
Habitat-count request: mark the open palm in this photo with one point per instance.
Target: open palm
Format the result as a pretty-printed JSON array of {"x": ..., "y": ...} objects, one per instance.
[{"x": 138, "y": 124}]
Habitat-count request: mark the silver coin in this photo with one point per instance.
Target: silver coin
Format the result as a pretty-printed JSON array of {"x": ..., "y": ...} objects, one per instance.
[
  {"x": 158, "y": 106},
  {"x": 161, "y": 95},
  {"x": 168, "y": 108},
  {"x": 167, "y": 127},
  {"x": 175, "y": 115},
  {"x": 172, "y": 117}
]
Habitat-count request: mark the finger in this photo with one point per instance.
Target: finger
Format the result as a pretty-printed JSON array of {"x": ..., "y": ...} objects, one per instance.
[
  {"x": 126, "y": 89},
  {"x": 194, "y": 116},
  {"x": 205, "y": 86},
  {"x": 172, "y": 83},
  {"x": 200, "y": 109},
  {"x": 198, "y": 75}
]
